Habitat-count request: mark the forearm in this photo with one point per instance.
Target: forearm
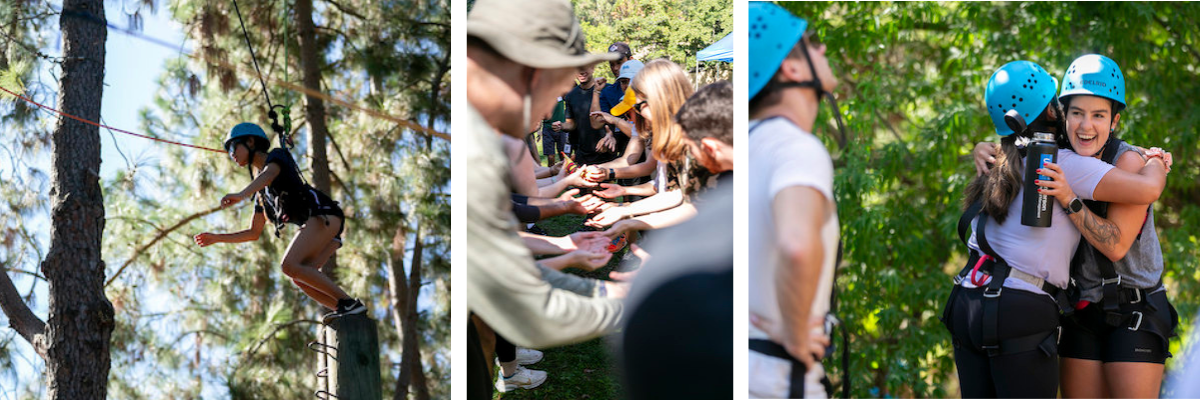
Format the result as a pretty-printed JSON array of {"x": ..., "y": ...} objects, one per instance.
[
  {"x": 545, "y": 245},
  {"x": 657, "y": 202},
  {"x": 796, "y": 287},
  {"x": 1144, "y": 187},
  {"x": 663, "y": 219},
  {"x": 557, "y": 263},
  {"x": 552, "y": 190},
  {"x": 597, "y": 123},
  {"x": 248, "y": 235},
  {"x": 625, "y": 127},
  {"x": 554, "y": 209},
  {"x": 644, "y": 189},
  {"x": 261, "y": 181},
  {"x": 638, "y": 170}
]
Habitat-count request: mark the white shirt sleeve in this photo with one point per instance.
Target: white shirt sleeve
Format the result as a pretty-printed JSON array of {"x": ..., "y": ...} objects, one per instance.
[
  {"x": 1083, "y": 173},
  {"x": 802, "y": 162}
]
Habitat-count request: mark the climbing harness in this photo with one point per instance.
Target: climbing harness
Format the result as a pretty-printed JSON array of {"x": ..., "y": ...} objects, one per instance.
[
  {"x": 986, "y": 269},
  {"x": 1113, "y": 294}
]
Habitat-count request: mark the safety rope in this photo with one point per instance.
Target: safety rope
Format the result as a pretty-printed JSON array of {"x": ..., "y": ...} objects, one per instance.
[
  {"x": 252, "y": 56},
  {"x": 30, "y": 101}
]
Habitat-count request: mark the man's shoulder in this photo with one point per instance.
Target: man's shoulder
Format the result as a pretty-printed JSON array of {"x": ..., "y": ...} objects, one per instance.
[{"x": 782, "y": 132}]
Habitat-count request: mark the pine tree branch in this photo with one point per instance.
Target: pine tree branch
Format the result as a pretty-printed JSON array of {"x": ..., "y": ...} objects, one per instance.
[
  {"x": 20, "y": 317},
  {"x": 162, "y": 234}
]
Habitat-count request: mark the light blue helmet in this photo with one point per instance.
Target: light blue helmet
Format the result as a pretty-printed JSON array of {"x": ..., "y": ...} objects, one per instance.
[
  {"x": 245, "y": 130},
  {"x": 1019, "y": 85},
  {"x": 1095, "y": 75},
  {"x": 773, "y": 33}
]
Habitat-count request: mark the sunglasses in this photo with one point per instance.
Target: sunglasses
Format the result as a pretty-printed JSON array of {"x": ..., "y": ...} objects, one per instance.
[{"x": 639, "y": 106}]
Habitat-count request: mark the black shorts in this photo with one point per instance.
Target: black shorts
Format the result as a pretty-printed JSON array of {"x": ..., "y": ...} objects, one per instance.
[
  {"x": 324, "y": 206},
  {"x": 1086, "y": 335}
]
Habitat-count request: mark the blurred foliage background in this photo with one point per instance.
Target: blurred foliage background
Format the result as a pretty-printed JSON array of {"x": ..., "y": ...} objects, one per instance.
[
  {"x": 675, "y": 30},
  {"x": 912, "y": 78}
]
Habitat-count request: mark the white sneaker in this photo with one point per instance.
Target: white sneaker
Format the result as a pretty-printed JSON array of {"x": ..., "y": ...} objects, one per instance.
[
  {"x": 528, "y": 356},
  {"x": 523, "y": 379},
  {"x": 525, "y": 356}
]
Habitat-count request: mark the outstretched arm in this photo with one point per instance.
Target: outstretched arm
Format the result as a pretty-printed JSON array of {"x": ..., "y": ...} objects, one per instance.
[{"x": 248, "y": 235}]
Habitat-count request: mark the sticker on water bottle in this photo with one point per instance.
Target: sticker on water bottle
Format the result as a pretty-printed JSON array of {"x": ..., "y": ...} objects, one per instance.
[{"x": 1045, "y": 159}]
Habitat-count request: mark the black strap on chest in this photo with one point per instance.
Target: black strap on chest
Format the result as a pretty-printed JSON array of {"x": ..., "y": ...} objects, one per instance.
[{"x": 1110, "y": 280}]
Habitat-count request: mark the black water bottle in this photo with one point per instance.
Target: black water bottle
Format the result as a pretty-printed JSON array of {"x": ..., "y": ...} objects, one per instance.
[{"x": 1037, "y": 208}]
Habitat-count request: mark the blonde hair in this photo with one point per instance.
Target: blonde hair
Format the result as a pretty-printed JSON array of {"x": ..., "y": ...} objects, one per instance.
[{"x": 665, "y": 87}]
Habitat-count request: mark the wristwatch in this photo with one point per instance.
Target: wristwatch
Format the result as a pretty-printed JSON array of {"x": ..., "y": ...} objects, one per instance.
[{"x": 1076, "y": 205}]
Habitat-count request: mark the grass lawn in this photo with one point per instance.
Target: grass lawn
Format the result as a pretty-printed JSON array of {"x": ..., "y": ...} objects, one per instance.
[{"x": 579, "y": 371}]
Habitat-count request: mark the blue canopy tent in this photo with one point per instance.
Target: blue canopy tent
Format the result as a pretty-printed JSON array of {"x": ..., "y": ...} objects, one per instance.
[{"x": 722, "y": 50}]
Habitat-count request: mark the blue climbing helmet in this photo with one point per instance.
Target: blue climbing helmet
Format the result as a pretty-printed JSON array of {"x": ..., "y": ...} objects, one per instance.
[
  {"x": 1020, "y": 85},
  {"x": 1095, "y": 75},
  {"x": 773, "y": 33},
  {"x": 243, "y": 131}
]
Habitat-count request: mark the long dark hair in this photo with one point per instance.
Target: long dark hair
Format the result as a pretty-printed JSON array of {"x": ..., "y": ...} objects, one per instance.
[{"x": 1000, "y": 186}]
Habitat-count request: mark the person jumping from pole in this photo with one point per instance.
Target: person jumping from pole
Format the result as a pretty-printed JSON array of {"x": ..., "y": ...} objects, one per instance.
[{"x": 282, "y": 196}]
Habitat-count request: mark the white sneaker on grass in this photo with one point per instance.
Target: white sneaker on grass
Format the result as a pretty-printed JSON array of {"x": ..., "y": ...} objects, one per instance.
[
  {"x": 525, "y": 356},
  {"x": 523, "y": 379},
  {"x": 528, "y": 356}
]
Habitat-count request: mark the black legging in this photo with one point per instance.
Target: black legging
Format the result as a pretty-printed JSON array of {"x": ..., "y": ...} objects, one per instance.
[
  {"x": 1027, "y": 374},
  {"x": 505, "y": 351}
]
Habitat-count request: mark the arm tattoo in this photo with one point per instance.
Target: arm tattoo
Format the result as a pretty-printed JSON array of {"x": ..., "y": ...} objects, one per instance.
[{"x": 1100, "y": 232}]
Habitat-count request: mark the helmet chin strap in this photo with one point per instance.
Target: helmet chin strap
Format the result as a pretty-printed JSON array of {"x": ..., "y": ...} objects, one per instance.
[{"x": 815, "y": 83}]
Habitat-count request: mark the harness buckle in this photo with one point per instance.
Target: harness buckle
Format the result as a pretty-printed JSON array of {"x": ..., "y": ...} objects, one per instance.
[
  {"x": 1116, "y": 280},
  {"x": 1138, "y": 295},
  {"x": 958, "y": 279},
  {"x": 987, "y": 292},
  {"x": 1137, "y": 324}
]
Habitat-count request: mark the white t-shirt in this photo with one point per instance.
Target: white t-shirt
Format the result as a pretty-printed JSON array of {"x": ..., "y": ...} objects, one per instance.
[
  {"x": 1044, "y": 252},
  {"x": 781, "y": 156}
]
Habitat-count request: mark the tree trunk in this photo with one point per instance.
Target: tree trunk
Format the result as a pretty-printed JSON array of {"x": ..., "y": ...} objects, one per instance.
[
  {"x": 412, "y": 337},
  {"x": 404, "y": 315},
  {"x": 81, "y": 317},
  {"x": 310, "y": 64},
  {"x": 399, "y": 299}
]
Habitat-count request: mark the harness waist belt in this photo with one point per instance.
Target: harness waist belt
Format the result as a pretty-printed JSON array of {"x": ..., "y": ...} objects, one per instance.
[{"x": 796, "y": 381}]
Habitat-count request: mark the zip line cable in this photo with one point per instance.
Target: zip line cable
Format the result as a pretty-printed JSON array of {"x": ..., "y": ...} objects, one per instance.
[
  {"x": 220, "y": 63},
  {"x": 99, "y": 125}
]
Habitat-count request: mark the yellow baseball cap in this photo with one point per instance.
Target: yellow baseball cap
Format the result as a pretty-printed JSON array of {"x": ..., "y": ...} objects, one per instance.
[{"x": 626, "y": 103}]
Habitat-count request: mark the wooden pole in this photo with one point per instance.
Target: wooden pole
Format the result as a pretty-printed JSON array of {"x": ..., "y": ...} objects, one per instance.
[{"x": 348, "y": 359}]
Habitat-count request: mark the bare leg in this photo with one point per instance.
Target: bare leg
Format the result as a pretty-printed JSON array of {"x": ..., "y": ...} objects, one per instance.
[
  {"x": 320, "y": 297},
  {"x": 299, "y": 261},
  {"x": 1083, "y": 379},
  {"x": 1133, "y": 380}
]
